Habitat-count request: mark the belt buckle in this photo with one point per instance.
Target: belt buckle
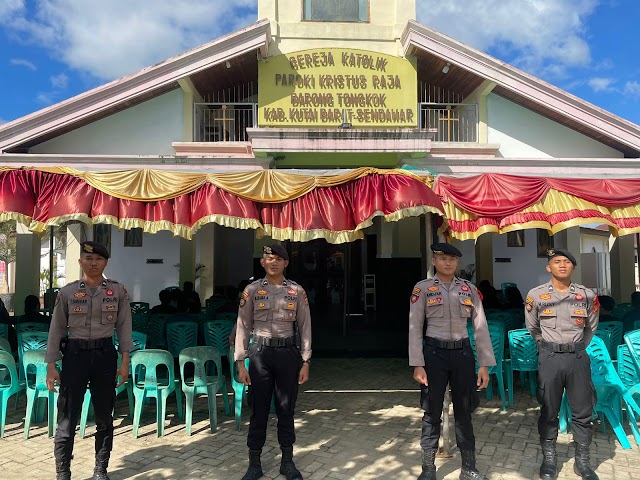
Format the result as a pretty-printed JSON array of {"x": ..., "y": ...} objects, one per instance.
[{"x": 564, "y": 348}]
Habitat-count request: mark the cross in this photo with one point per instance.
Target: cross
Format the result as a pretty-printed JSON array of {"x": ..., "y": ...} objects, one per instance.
[
  {"x": 449, "y": 119},
  {"x": 224, "y": 120}
]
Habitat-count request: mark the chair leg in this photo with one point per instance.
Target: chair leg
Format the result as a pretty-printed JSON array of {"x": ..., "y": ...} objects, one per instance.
[
  {"x": 617, "y": 427},
  {"x": 178, "y": 392},
  {"x": 237, "y": 400},
  {"x": 51, "y": 411},
  {"x": 189, "y": 407},
  {"x": 213, "y": 409},
  {"x": 160, "y": 411},
  {"x": 84, "y": 415},
  {"x": 225, "y": 399},
  {"x": 509, "y": 381},
  {"x": 138, "y": 412},
  {"x": 130, "y": 397},
  {"x": 533, "y": 384},
  {"x": 633, "y": 424},
  {"x": 489, "y": 392},
  {"x": 501, "y": 390},
  {"x": 3, "y": 413},
  {"x": 29, "y": 413}
]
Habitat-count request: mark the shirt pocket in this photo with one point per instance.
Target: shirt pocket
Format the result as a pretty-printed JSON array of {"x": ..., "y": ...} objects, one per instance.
[
  {"x": 466, "y": 306},
  {"x": 548, "y": 317},
  {"x": 578, "y": 318},
  {"x": 78, "y": 314},
  {"x": 109, "y": 313},
  {"x": 289, "y": 311},
  {"x": 434, "y": 307},
  {"x": 260, "y": 310}
]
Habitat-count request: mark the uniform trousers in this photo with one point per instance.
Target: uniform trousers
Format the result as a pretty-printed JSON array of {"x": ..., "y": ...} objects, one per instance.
[
  {"x": 449, "y": 367},
  {"x": 274, "y": 372},
  {"x": 97, "y": 367},
  {"x": 557, "y": 372}
]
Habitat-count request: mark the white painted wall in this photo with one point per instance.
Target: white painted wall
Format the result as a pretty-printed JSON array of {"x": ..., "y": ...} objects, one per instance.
[
  {"x": 406, "y": 241},
  {"x": 590, "y": 242},
  {"x": 144, "y": 129},
  {"x": 522, "y": 133},
  {"x": 128, "y": 264}
]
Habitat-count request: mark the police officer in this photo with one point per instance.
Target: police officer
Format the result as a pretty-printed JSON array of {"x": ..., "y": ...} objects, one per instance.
[
  {"x": 562, "y": 317},
  {"x": 276, "y": 310},
  {"x": 89, "y": 310},
  {"x": 442, "y": 355}
]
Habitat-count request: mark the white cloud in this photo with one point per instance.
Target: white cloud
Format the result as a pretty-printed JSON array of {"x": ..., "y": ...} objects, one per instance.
[
  {"x": 600, "y": 84},
  {"x": 3, "y": 121},
  {"x": 632, "y": 89},
  {"x": 45, "y": 98},
  {"x": 59, "y": 82},
  {"x": 23, "y": 63},
  {"x": 544, "y": 37},
  {"x": 126, "y": 35}
]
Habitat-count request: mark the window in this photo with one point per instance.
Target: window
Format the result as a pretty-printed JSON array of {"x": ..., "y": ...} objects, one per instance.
[
  {"x": 102, "y": 235},
  {"x": 336, "y": 10},
  {"x": 544, "y": 242},
  {"x": 133, "y": 237},
  {"x": 515, "y": 239}
]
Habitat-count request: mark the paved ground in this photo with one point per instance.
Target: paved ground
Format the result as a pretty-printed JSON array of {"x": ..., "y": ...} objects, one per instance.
[{"x": 357, "y": 419}]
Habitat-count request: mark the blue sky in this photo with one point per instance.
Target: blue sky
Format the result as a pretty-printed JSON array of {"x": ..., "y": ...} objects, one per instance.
[{"x": 51, "y": 50}]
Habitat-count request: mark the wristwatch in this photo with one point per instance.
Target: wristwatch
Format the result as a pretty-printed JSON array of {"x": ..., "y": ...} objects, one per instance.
[{"x": 308, "y": 362}]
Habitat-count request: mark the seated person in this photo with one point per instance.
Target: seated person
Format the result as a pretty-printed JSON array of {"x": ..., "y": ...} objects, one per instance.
[
  {"x": 31, "y": 311},
  {"x": 513, "y": 298},
  {"x": 176, "y": 293},
  {"x": 632, "y": 315},
  {"x": 189, "y": 300},
  {"x": 5, "y": 319},
  {"x": 489, "y": 295},
  {"x": 165, "y": 303},
  {"x": 607, "y": 304}
]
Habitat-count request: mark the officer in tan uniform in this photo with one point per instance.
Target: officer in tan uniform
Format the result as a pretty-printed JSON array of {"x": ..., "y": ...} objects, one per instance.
[
  {"x": 562, "y": 317},
  {"x": 89, "y": 310},
  {"x": 273, "y": 312},
  {"x": 441, "y": 354}
]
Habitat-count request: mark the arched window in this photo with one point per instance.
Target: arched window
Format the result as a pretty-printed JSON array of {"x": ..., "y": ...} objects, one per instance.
[{"x": 336, "y": 10}]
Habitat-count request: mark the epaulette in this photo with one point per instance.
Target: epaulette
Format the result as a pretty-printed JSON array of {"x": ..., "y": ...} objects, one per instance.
[{"x": 111, "y": 280}]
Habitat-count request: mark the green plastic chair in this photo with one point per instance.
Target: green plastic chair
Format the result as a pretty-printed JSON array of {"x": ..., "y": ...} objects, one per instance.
[
  {"x": 201, "y": 383},
  {"x": 607, "y": 337},
  {"x": 9, "y": 384},
  {"x": 30, "y": 341},
  {"x": 31, "y": 327},
  {"x": 181, "y": 335},
  {"x": 139, "y": 307},
  {"x": 140, "y": 322},
  {"x": 636, "y": 325},
  {"x": 616, "y": 328},
  {"x": 216, "y": 334},
  {"x": 212, "y": 304},
  {"x": 4, "y": 330},
  {"x": 524, "y": 359},
  {"x": 239, "y": 389},
  {"x": 157, "y": 329},
  {"x": 5, "y": 345},
  {"x": 496, "y": 332},
  {"x": 36, "y": 387},
  {"x": 149, "y": 382}
]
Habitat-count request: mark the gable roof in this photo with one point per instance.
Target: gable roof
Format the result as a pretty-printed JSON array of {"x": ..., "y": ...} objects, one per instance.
[
  {"x": 526, "y": 90},
  {"x": 132, "y": 89}
]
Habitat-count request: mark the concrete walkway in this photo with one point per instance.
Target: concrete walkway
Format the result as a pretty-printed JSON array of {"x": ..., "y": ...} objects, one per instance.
[{"x": 356, "y": 419}]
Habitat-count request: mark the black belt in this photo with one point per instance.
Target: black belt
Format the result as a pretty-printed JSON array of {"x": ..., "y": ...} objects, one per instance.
[
  {"x": 94, "y": 344},
  {"x": 278, "y": 342},
  {"x": 563, "y": 347},
  {"x": 448, "y": 344}
]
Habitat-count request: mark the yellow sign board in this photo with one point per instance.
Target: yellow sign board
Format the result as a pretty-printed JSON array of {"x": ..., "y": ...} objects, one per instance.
[{"x": 331, "y": 86}]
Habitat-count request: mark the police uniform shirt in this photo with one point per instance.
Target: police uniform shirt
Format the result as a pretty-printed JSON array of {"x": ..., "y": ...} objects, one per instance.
[
  {"x": 90, "y": 316},
  {"x": 562, "y": 317},
  {"x": 269, "y": 311},
  {"x": 446, "y": 310}
]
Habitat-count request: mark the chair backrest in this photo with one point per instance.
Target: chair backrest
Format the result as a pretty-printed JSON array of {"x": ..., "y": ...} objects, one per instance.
[
  {"x": 212, "y": 304},
  {"x": 34, "y": 360},
  {"x": 216, "y": 333},
  {"x": 11, "y": 384},
  {"x": 626, "y": 368},
  {"x": 616, "y": 329},
  {"x": 496, "y": 333},
  {"x": 632, "y": 340},
  {"x": 157, "y": 322},
  {"x": 144, "y": 367},
  {"x": 602, "y": 370},
  {"x": 139, "y": 307},
  {"x": 181, "y": 335},
  {"x": 140, "y": 322},
  {"x": 4, "y": 330},
  {"x": 31, "y": 341},
  {"x": 607, "y": 337},
  {"x": 198, "y": 356},
  {"x": 227, "y": 316},
  {"x": 32, "y": 327},
  {"x": 139, "y": 341},
  {"x": 5, "y": 345},
  {"x": 523, "y": 350},
  {"x": 636, "y": 325}
]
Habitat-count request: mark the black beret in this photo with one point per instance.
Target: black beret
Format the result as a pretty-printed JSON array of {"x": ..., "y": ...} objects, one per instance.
[
  {"x": 561, "y": 252},
  {"x": 446, "y": 249},
  {"x": 276, "y": 249},
  {"x": 94, "y": 247}
]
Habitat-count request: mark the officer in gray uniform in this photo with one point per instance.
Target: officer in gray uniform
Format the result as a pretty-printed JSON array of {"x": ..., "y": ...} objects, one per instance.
[
  {"x": 441, "y": 354},
  {"x": 276, "y": 310},
  {"x": 562, "y": 317},
  {"x": 89, "y": 310}
]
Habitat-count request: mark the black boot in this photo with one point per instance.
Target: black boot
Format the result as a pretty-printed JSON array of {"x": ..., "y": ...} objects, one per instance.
[
  {"x": 549, "y": 467},
  {"x": 469, "y": 471},
  {"x": 582, "y": 467},
  {"x": 63, "y": 470},
  {"x": 428, "y": 464},
  {"x": 100, "y": 470},
  {"x": 287, "y": 467},
  {"x": 254, "y": 472}
]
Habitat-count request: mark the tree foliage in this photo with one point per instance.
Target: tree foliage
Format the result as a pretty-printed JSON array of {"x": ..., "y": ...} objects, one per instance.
[{"x": 8, "y": 241}]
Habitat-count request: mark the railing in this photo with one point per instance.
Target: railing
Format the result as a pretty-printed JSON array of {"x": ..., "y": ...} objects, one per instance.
[
  {"x": 223, "y": 122},
  {"x": 455, "y": 122}
]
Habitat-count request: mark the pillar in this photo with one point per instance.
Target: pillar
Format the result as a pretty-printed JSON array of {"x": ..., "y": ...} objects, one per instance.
[
  {"x": 75, "y": 236},
  {"x": 622, "y": 268},
  {"x": 187, "y": 261},
  {"x": 484, "y": 258},
  {"x": 569, "y": 239},
  {"x": 27, "y": 267},
  {"x": 207, "y": 248},
  {"x": 386, "y": 231}
]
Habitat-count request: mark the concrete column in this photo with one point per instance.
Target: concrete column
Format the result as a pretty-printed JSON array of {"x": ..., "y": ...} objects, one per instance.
[
  {"x": 75, "y": 236},
  {"x": 622, "y": 269},
  {"x": 386, "y": 231},
  {"x": 27, "y": 266},
  {"x": 207, "y": 249},
  {"x": 426, "y": 235},
  {"x": 187, "y": 261},
  {"x": 484, "y": 258},
  {"x": 569, "y": 239}
]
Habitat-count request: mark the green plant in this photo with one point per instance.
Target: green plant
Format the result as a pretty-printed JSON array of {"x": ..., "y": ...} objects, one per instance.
[{"x": 467, "y": 272}]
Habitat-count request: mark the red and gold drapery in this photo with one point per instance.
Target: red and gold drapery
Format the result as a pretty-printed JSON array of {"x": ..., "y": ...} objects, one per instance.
[
  {"x": 283, "y": 205},
  {"x": 502, "y": 203}
]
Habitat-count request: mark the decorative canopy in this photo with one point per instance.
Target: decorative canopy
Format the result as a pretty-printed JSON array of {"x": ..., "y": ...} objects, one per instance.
[
  {"x": 502, "y": 203},
  {"x": 285, "y": 206}
]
